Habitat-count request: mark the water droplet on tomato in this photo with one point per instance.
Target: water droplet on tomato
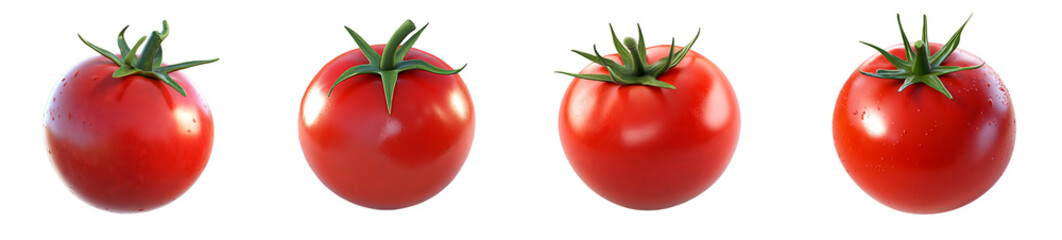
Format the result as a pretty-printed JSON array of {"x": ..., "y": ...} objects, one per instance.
[
  {"x": 76, "y": 72},
  {"x": 64, "y": 84},
  {"x": 989, "y": 102},
  {"x": 193, "y": 120},
  {"x": 96, "y": 78},
  {"x": 189, "y": 130}
]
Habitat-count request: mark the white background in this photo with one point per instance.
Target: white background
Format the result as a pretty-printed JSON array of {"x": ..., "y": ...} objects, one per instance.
[{"x": 787, "y": 60}]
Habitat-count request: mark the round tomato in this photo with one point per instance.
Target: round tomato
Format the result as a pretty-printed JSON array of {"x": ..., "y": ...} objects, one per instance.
[
  {"x": 385, "y": 159},
  {"x": 648, "y": 147},
  {"x": 916, "y": 150},
  {"x": 131, "y": 143}
]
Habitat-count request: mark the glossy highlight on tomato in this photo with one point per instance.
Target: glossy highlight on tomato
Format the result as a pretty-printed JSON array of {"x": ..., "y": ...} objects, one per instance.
[
  {"x": 648, "y": 147},
  {"x": 916, "y": 150},
  {"x": 380, "y": 159}
]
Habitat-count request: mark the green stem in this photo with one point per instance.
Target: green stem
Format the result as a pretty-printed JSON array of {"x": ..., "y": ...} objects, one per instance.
[
  {"x": 921, "y": 61},
  {"x": 636, "y": 57},
  {"x": 389, "y": 53},
  {"x": 147, "y": 57}
]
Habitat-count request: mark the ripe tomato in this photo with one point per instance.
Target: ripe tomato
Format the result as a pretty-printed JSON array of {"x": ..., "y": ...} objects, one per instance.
[
  {"x": 916, "y": 150},
  {"x": 648, "y": 147},
  {"x": 130, "y": 143},
  {"x": 378, "y": 159}
]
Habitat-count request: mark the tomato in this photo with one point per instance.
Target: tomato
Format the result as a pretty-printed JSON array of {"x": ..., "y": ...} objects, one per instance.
[
  {"x": 916, "y": 150},
  {"x": 381, "y": 158},
  {"x": 131, "y": 143},
  {"x": 650, "y": 146}
]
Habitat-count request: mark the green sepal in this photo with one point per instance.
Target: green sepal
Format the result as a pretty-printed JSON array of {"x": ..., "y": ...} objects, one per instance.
[
  {"x": 366, "y": 49},
  {"x": 595, "y": 77},
  {"x": 354, "y": 71},
  {"x": 920, "y": 66},
  {"x": 888, "y": 74},
  {"x": 165, "y": 78},
  {"x": 124, "y": 71},
  {"x": 129, "y": 59},
  {"x": 907, "y": 51},
  {"x": 591, "y": 57},
  {"x": 935, "y": 83},
  {"x": 102, "y": 51},
  {"x": 389, "y": 79},
  {"x": 179, "y": 66},
  {"x": 392, "y": 62},
  {"x": 640, "y": 48},
  {"x": 401, "y": 54},
  {"x": 686, "y": 49},
  {"x": 635, "y": 67},
  {"x": 657, "y": 68},
  {"x": 950, "y": 69},
  {"x": 950, "y": 46},
  {"x": 122, "y": 45},
  {"x": 624, "y": 53},
  {"x": 149, "y": 62}
]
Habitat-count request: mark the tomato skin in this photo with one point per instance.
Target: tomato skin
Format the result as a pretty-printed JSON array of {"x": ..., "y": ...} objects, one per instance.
[
  {"x": 386, "y": 161},
  {"x": 646, "y": 147},
  {"x": 129, "y": 144},
  {"x": 916, "y": 150}
]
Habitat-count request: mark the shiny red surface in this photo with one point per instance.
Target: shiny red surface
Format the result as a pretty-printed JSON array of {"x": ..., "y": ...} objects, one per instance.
[
  {"x": 386, "y": 161},
  {"x": 916, "y": 150},
  {"x": 646, "y": 147},
  {"x": 130, "y": 144}
]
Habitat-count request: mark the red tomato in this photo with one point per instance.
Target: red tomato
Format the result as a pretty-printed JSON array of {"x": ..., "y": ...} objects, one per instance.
[
  {"x": 126, "y": 132},
  {"x": 380, "y": 160},
  {"x": 127, "y": 144},
  {"x": 647, "y": 147},
  {"x": 916, "y": 150}
]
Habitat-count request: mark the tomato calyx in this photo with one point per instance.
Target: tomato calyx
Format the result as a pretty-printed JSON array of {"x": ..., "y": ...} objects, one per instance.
[
  {"x": 920, "y": 66},
  {"x": 390, "y": 64},
  {"x": 149, "y": 62},
  {"x": 637, "y": 69}
]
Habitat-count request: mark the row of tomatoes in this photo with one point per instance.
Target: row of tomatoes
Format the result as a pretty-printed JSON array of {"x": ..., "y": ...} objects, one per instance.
[{"x": 921, "y": 127}]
